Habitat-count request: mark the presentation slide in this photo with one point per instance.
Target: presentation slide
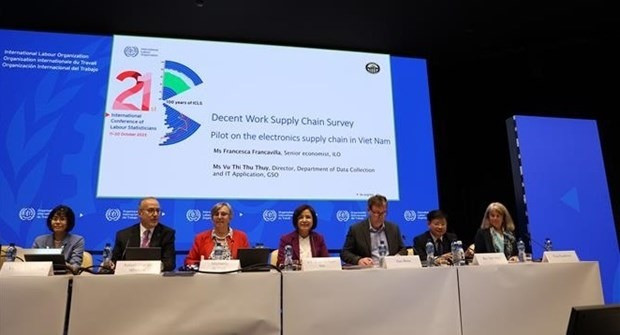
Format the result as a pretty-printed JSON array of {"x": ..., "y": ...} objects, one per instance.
[
  {"x": 567, "y": 195},
  {"x": 99, "y": 122},
  {"x": 211, "y": 120}
]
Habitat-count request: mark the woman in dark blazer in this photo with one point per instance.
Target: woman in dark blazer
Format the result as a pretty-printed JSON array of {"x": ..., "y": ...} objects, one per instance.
[
  {"x": 304, "y": 241},
  {"x": 496, "y": 233}
]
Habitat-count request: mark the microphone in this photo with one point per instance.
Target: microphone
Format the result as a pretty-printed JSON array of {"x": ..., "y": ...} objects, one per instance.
[
  {"x": 125, "y": 249},
  {"x": 529, "y": 238}
]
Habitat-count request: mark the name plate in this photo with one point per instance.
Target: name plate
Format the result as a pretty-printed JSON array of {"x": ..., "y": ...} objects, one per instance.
[
  {"x": 321, "y": 264},
  {"x": 15, "y": 269},
  {"x": 402, "y": 262},
  {"x": 137, "y": 267},
  {"x": 210, "y": 265},
  {"x": 490, "y": 259},
  {"x": 568, "y": 256}
]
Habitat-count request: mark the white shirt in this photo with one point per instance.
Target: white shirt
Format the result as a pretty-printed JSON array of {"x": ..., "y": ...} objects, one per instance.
[{"x": 305, "y": 250}]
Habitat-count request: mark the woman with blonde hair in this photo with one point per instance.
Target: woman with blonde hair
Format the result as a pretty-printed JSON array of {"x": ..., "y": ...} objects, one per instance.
[{"x": 496, "y": 233}]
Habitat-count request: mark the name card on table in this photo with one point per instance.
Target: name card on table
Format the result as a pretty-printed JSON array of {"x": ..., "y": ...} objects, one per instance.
[
  {"x": 490, "y": 259},
  {"x": 210, "y": 265},
  {"x": 402, "y": 262},
  {"x": 14, "y": 269},
  {"x": 568, "y": 256},
  {"x": 321, "y": 264},
  {"x": 137, "y": 267}
]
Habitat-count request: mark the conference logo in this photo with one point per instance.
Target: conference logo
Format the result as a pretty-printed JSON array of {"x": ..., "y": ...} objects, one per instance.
[
  {"x": 373, "y": 68},
  {"x": 270, "y": 215},
  {"x": 131, "y": 51},
  {"x": 113, "y": 214},
  {"x": 27, "y": 214},
  {"x": 193, "y": 215},
  {"x": 343, "y": 216},
  {"x": 410, "y": 215}
]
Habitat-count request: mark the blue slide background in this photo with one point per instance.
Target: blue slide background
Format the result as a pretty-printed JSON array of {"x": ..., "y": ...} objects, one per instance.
[
  {"x": 51, "y": 127},
  {"x": 567, "y": 194}
]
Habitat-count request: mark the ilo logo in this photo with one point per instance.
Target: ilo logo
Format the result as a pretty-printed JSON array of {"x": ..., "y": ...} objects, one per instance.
[
  {"x": 193, "y": 215},
  {"x": 27, "y": 214},
  {"x": 410, "y": 215},
  {"x": 343, "y": 216},
  {"x": 270, "y": 215},
  {"x": 131, "y": 51},
  {"x": 373, "y": 68},
  {"x": 113, "y": 214}
]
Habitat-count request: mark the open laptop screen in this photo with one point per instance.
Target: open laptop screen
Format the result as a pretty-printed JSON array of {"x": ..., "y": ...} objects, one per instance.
[
  {"x": 249, "y": 257},
  {"x": 143, "y": 254},
  {"x": 47, "y": 255}
]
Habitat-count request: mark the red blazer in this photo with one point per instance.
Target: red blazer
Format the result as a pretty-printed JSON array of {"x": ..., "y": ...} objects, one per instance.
[
  {"x": 317, "y": 244},
  {"x": 204, "y": 244}
]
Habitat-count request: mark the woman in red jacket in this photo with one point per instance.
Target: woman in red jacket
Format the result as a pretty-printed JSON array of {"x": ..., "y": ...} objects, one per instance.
[{"x": 231, "y": 240}]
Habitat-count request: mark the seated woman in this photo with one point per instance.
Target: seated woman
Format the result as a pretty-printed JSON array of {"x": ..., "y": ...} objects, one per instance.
[
  {"x": 231, "y": 240},
  {"x": 304, "y": 241},
  {"x": 496, "y": 232},
  {"x": 60, "y": 222}
]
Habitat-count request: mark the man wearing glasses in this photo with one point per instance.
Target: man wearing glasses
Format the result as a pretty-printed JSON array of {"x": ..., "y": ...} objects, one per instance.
[
  {"x": 438, "y": 235},
  {"x": 361, "y": 246},
  {"x": 149, "y": 232}
]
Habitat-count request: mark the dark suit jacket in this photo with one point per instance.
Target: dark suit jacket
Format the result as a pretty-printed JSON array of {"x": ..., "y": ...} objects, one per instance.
[
  {"x": 357, "y": 243},
  {"x": 484, "y": 243},
  {"x": 317, "y": 244},
  {"x": 419, "y": 243},
  {"x": 163, "y": 237}
]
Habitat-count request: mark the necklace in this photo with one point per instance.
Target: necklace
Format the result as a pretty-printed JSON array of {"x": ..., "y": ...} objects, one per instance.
[{"x": 218, "y": 237}]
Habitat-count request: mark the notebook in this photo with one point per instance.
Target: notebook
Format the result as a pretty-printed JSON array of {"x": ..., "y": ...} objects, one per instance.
[
  {"x": 47, "y": 255},
  {"x": 249, "y": 257},
  {"x": 143, "y": 254}
]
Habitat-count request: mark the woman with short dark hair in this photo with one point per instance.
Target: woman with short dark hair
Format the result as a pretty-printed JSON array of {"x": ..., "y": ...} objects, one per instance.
[{"x": 60, "y": 222}]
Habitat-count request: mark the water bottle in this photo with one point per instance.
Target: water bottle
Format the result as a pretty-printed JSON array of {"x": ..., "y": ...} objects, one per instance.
[
  {"x": 548, "y": 245},
  {"x": 454, "y": 247},
  {"x": 382, "y": 252},
  {"x": 107, "y": 254},
  {"x": 430, "y": 253},
  {"x": 288, "y": 258},
  {"x": 11, "y": 252},
  {"x": 218, "y": 252},
  {"x": 460, "y": 252},
  {"x": 521, "y": 250}
]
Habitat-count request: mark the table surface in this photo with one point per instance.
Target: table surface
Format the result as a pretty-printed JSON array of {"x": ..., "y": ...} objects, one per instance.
[
  {"x": 372, "y": 301},
  {"x": 526, "y": 298},
  {"x": 33, "y": 305},
  {"x": 245, "y": 303},
  {"x": 530, "y": 298}
]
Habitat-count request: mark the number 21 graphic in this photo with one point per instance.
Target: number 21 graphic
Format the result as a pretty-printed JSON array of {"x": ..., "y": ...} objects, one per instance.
[{"x": 143, "y": 83}]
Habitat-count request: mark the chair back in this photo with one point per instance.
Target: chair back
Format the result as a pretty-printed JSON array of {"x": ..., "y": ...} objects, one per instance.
[
  {"x": 87, "y": 259},
  {"x": 273, "y": 259}
]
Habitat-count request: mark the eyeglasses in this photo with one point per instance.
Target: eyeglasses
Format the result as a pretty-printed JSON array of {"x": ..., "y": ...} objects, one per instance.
[
  {"x": 378, "y": 213},
  {"x": 152, "y": 210}
]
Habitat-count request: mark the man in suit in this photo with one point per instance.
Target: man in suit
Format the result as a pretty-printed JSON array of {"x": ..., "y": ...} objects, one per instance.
[
  {"x": 361, "y": 246},
  {"x": 438, "y": 235},
  {"x": 149, "y": 232}
]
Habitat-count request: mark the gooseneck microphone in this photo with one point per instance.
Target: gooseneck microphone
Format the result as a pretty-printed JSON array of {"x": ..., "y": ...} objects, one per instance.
[{"x": 125, "y": 249}]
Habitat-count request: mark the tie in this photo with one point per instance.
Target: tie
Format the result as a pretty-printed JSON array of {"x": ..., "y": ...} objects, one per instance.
[
  {"x": 145, "y": 239},
  {"x": 439, "y": 247}
]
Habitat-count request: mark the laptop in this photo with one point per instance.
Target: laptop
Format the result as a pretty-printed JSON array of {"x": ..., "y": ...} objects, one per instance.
[
  {"x": 249, "y": 257},
  {"x": 47, "y": 255},
  {"x": 143, "y": 254}
]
